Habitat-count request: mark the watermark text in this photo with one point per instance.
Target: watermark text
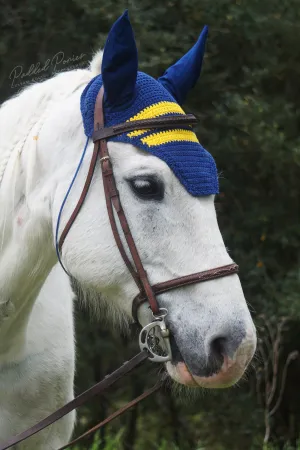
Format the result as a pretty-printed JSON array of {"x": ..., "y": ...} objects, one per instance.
[{"x": 21, "y": 77}]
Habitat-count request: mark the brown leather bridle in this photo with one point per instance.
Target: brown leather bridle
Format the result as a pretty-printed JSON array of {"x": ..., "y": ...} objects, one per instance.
[
  {"x": 113, "y": 202},
  {"x": 147, "y": 292}
]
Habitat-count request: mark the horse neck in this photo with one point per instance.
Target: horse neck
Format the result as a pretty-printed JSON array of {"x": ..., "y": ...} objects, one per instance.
[
  {"x": 27, "y": 253},
  {"x": 30, "y": 175}
]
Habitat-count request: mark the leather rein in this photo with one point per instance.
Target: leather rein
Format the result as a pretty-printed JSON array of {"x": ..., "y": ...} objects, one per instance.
[{"x": 154, "y": 337}]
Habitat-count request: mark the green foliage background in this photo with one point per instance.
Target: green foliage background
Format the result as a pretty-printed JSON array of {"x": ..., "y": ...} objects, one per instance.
[{"x": 247, "y": 103}]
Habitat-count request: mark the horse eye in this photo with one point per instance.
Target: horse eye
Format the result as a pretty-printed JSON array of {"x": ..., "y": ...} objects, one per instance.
[{"x": 147, "y": 188}]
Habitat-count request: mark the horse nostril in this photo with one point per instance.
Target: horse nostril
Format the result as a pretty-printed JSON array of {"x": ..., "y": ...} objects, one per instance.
[
  {"x": 218, "y": 348},
  {"x": 225, "y": 344}
]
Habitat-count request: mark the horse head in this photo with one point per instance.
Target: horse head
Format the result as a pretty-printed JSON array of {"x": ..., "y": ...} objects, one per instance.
[{"x": 166, "y": 182}]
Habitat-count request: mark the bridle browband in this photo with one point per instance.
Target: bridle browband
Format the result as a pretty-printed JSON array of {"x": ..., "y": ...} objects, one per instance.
[{"x": 147, "y": 292}]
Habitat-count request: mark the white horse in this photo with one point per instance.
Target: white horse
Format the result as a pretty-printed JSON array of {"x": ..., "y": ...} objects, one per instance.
[{"x": 41, "y": 142}]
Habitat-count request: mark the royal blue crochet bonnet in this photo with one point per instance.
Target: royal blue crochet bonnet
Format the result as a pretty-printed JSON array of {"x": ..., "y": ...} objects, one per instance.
[{"x": 131, "y": 95}]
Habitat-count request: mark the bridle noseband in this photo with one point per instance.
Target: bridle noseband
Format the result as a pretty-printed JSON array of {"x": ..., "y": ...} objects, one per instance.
[{"x": 147, "y": 292}]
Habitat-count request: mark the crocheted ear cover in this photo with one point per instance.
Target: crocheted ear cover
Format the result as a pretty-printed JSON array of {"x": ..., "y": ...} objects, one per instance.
[{"x": 143, "y": 97}]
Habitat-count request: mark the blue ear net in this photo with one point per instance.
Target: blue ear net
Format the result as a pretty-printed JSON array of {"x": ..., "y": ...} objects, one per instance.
[
  {"x": 183, "y": 75},
  {"x": 131, "y": 95},
  {"x": 120, "y": 63}
]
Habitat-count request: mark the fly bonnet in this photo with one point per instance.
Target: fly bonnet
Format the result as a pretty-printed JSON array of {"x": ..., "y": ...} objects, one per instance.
[{"x": 131, "y": 95}]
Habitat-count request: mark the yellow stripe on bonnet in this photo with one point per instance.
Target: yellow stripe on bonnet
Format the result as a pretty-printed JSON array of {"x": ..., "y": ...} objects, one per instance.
[
  {"x": 163, "y": 137},
  {"x": 158, "y": 109}
]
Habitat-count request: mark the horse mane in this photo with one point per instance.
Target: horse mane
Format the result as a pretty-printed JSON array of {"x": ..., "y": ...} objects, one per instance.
[
  {"x": 24, "y": 114},
  {"x": 25, "y": 110}
]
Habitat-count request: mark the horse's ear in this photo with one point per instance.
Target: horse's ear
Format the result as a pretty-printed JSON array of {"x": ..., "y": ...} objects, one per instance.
[
  {"x": 119, "y": 63},
  {"x": 183, "y": 75}
]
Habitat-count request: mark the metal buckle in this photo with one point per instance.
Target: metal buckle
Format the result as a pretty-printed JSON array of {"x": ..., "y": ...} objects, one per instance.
[{"x": 154, "y": 338}]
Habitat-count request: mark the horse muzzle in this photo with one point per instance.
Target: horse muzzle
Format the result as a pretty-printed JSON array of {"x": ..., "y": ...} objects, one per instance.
[{"x": 218, "y": 371}]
